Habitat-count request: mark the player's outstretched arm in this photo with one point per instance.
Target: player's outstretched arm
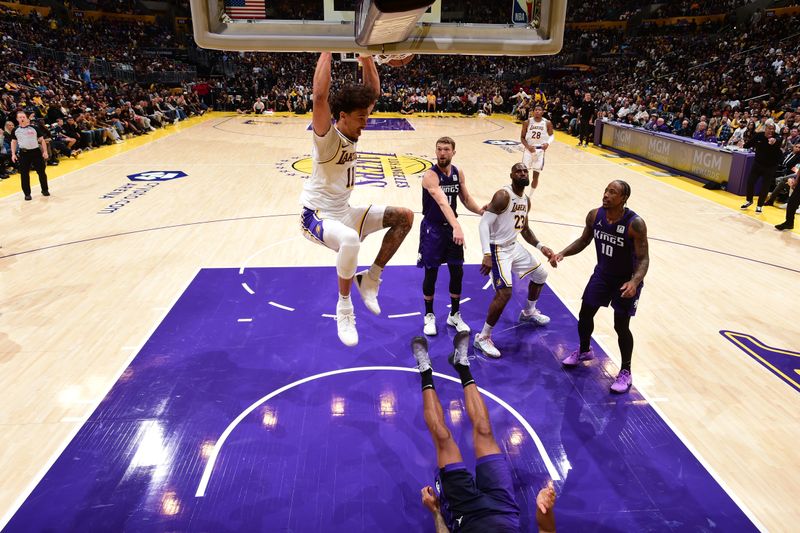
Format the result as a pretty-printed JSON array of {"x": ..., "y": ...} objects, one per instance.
[
  {"x": 498, "y": 204},
  {"x": 530, "y": 238},
  {"x": 523, "y": 134},
  {"x": 641, "y": 248},
  {"x": 321, "y": 115},
  {"x": 430, "y": 182},
  {"x": 370, "y": 73},
  {"x": 578, "y": 244},
  {"x": 467, "y": 199}
]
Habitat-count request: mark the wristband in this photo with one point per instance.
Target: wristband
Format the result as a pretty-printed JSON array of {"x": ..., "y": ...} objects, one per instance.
[{"x": 539, "y": 245}]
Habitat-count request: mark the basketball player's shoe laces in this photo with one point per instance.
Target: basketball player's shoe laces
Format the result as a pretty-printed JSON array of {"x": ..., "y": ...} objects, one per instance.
[
  {"x": 577, "y": 356},
  {"x": 460, "y": 349},
  {"x": 457, "y": 322},
  {"x": 346, "y": 327},
  {"x": 536, "y": 317},
  {"x": 623, "y": 382},
  {"x": 430, "y": 324},
  {"x": 419, "y": 347},
  {"x": 486, "y": 345},
  {"x": 368, "y": 288}
]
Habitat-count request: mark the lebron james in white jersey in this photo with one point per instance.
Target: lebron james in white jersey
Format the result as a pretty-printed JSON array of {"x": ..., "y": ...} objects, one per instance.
[
  {"x": 536, "y": 136},
  {"x": 504, "y": 218},
  {"x": 327, "y": 217}
]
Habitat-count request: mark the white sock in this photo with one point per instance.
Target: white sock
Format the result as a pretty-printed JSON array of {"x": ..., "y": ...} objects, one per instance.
[
  {"x": 344, "y": 303},
  {"x": 486, "y": 331},
  {"x": 531, "y": 306},
  {"x": 375, "y": 272}
]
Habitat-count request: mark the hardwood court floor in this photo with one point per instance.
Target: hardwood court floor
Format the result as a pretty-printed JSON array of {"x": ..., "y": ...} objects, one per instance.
[{"x": 89, "y": 272}]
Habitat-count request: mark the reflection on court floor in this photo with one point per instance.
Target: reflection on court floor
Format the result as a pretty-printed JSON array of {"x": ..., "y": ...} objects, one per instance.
[{"x": 347, "y": 450}]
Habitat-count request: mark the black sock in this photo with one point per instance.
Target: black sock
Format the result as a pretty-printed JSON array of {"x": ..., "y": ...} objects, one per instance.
[
  {"x": 454, "y": 305},
  {"x": 429, "y": 306},
  {"x": 464, "y": 374},
  {"x": 427, "y": 379}
]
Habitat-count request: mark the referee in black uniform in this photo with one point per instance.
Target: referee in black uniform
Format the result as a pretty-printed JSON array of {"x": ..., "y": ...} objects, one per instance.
[{"x": 32, "y": 153}]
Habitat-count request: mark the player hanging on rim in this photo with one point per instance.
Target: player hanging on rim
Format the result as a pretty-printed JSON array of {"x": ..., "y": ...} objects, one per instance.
[
  {"x": 327, "y": 216},
  {"x": 505, "y": 217},
  {"x": 441, "y": 239},
  {"x": 620, "y": 238},
  {"x": 536, "y": 136}
]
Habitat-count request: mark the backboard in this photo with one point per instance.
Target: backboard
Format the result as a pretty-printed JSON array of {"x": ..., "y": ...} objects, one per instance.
[{"x": 499, "y": 27}]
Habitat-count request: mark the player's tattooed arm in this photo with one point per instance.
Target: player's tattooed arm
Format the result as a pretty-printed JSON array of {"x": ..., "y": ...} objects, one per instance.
[
  {"x": 523, "y": 134},
  {"x": 499, "y": 203},
  {"x": 578, "y": 244},
  {"x": 641, "y": 248}
]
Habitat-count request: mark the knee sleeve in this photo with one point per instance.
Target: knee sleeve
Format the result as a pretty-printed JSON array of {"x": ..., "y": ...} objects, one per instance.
[
  {"x": 456, "y": 277},
  {"x": 539, "y": 276},
  {"x": 347, "y": 258},
  {"x": 429, "y": 283}
]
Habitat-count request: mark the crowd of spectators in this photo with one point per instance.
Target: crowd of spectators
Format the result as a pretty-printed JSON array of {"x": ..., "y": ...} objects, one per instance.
[{"x": 717, "y": 82}]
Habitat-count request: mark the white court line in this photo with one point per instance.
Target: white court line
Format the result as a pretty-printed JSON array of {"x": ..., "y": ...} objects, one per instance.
[
  {"x": 245, "y": 320},
  {"x": 212, "y": 458},
  {"x": 247, "y": 288},
  {"x": 51, "y": 461},
  {"x": 279, "y": 306},
  {"x": 465, "y": 300},
  {"x": 488, "y": 284},
  {"x": 653, "y": 403},
  {"x": 247, "y": 261},
  {"x": 328, "y": 316},
  {"x": 403, "y": 315}
]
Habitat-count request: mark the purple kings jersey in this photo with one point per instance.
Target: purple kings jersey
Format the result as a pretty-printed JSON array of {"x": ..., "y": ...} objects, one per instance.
[
  {"x": 616, "y": 257},
  {"x": 450, "y": 187}
]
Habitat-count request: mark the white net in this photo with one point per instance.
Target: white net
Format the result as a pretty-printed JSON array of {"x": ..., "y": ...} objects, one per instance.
[{"x": 383, "y": 59}]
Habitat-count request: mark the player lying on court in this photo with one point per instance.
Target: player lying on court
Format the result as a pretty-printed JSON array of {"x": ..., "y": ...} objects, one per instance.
[
  {"x": 505, "y": 217},
  {"x": 483, "y": 503},
  {"x": 441, "y": 239},
  {"x": 327, "y": 216},
  {"x": 536, "y": 136},
  {"x": 620, "y": 238}
]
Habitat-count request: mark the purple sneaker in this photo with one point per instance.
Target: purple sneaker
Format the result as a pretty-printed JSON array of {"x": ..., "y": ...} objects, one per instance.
[
  {"x": 577, "y": 356},
  {"x": 623, "y": 382}
]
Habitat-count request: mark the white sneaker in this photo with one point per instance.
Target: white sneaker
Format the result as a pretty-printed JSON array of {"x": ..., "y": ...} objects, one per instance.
[
  {"x": 534, "y": 318},
  {"x": 368, "y": 288},
  {"x": 346, "y": 327},
  {"x": 456, "y": 321},
  {"x": 486, "y": 345},
  {"x": 430, "y": 324}
]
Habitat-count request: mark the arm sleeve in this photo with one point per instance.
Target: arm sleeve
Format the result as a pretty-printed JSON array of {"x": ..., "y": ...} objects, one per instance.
[{"x": 487, "y": 219}]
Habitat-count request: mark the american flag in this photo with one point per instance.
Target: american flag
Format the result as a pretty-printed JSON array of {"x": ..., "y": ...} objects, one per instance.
[{"x": 245, "y": 9}]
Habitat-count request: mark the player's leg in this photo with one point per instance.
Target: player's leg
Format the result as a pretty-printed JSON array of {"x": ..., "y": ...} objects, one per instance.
[
  {"x": 399, "y": 221},
  {"x": 447, "y": 451},
  {"x": 483, "y": 340},
  {"x": 624, "y": 310},
  {"x": 455, "y": 264},
  {"x": 502, "y": 281},
  {"x": 431, "y": 254},
  {"x": 536, "y": 167},
  {"x": 585, "y": 329},
  {"x": 525, "y": 265},
  {"x": 345, "y": 242},
  {"x": 428, "y": 290}
]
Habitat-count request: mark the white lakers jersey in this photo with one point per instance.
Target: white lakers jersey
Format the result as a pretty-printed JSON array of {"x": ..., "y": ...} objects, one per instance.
[
  {"x": 511, "y": 221},
  {"x": 537, "y": 132},
  {"x": 333, "y": 172}
]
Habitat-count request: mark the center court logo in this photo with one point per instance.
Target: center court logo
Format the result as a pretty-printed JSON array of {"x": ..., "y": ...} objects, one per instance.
[
  {"x": 373, "y": 169},
  {"x": 157, "y": 175}
]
